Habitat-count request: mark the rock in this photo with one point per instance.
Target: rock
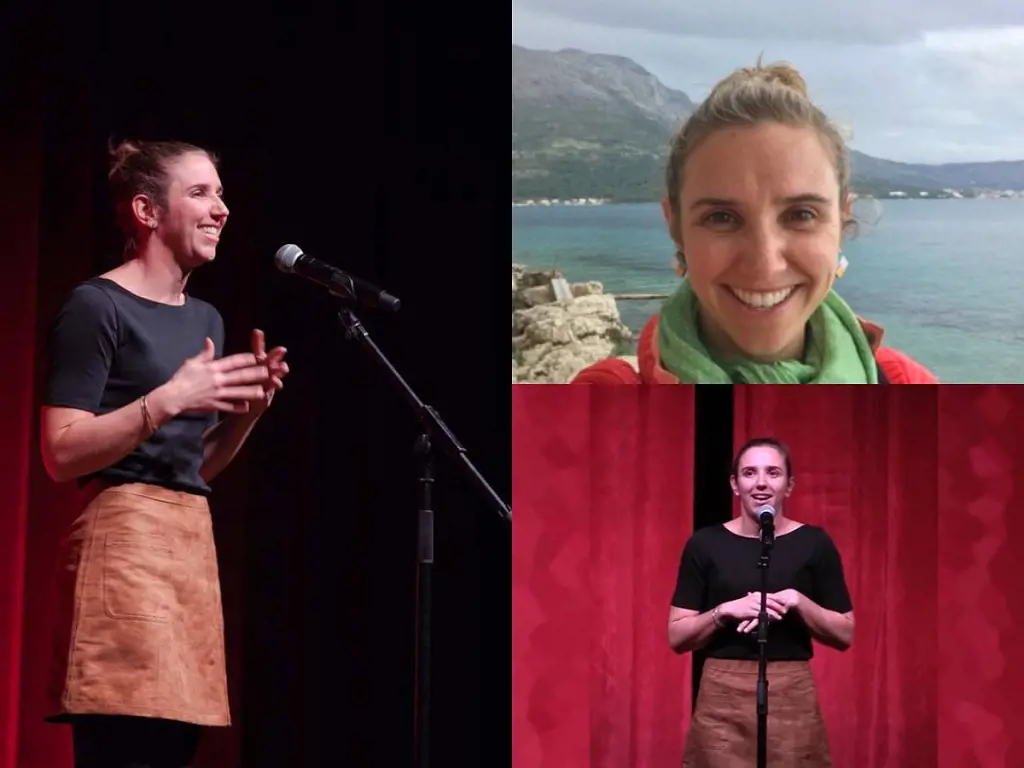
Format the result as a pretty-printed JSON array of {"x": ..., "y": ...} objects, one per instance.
[
  {"x": 553, "y": 340},
  {"x": 587, "y": 289},
  {"x": 531, "y": 297},
  {"x": 528, "y": 279}
]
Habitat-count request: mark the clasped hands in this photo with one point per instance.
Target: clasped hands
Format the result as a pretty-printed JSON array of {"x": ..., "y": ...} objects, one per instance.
[{"x": 746, "y": 610}]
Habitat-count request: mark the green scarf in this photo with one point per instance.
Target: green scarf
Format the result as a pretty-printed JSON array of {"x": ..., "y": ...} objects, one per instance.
[{"x": 837, "y": 349}]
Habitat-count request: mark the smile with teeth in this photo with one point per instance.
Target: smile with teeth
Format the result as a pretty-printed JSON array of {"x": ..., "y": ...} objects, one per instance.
[
  {"x": 211, "y": 231},
  {"x": 763, "y": 299}
]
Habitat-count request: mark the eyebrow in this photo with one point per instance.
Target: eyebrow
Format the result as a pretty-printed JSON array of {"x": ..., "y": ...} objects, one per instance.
[{"x": 792, "y": 200}]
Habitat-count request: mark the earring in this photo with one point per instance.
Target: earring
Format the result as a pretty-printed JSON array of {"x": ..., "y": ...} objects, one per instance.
[
  {"x": 841, "y": 267},
  {"x": 680, "y": 263}
]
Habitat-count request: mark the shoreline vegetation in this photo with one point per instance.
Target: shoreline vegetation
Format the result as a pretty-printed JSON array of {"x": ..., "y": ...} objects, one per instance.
[{"x": 892, "y": 194}]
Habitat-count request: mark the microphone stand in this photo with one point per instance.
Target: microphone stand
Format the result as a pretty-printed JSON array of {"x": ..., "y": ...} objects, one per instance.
[
  {"x": 433, "y": 433},
  {"x": 767, "y": 540}
]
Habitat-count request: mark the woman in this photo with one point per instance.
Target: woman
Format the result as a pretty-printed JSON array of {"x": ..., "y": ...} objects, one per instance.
[
  {"x": 758, "y": 200},
  {"x": 136, "y": 383},
  {"x": 716, "y": 606}
]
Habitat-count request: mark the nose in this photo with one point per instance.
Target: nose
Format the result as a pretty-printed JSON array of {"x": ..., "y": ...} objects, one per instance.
[
  {"x": 766, "y": 248},
  {"x": 220, "y": 209}
]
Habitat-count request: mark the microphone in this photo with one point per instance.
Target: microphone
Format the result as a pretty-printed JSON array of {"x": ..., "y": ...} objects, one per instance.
[
  {"x": 291, "y": 259},
  {"x": 766, "y": 517}
]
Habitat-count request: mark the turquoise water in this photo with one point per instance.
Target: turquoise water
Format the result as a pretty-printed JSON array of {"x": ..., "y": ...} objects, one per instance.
[{"x": 944, "y": 277}]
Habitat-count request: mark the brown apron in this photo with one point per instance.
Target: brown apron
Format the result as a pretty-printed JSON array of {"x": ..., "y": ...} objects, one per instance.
[
  {"x": 142, "y": 628},
  {"x": 723, "y": 732}
]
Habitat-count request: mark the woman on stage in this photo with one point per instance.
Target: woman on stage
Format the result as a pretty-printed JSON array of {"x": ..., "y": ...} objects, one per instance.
[
  {"x": 136, "y": 387},
  {"x": 716, "y": 606}
]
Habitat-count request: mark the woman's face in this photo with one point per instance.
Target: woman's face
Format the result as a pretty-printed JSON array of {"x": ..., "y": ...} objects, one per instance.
[
  {"x": 761, "y": 479},
  {"x": 761, "y": 226},
  {"x": 195, "y": 215}
]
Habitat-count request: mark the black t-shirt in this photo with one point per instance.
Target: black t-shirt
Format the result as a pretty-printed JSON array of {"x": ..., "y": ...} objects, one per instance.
[
  {"x": 108, "y": 347},
  {"x": 718, "y": 566}
]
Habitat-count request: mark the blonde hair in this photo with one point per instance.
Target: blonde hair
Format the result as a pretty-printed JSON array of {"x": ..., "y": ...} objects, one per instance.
[{"x": 773, "y": 93}]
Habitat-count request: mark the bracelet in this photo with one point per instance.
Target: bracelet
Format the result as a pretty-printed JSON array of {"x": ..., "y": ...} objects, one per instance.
[
  {"x": 714, "y": 617},
  {"x": 146, "y": 418}
]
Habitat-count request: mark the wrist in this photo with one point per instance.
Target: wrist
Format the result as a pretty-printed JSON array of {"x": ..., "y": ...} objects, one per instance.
[
  {"x": 162, "y": 405},
  {"x": 800, "y": 603},
  {"x": 248, "y": 418},
  {"x": 719, "y": 615}
]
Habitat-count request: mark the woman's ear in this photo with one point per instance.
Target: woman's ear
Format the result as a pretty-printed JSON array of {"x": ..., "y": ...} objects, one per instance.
[{"x": 144, "y": 211}]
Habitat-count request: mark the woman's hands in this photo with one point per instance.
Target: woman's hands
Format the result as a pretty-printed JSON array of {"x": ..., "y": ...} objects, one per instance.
[
  {"x": 746, "y": 610},
  {"x": 230, "y": 384},
  {"x": 277, "y": 369},
  {"x": 244, "y": 383}
]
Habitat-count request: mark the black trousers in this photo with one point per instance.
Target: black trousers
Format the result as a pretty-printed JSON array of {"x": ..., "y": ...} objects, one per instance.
[{"x": 118, "y": 741}]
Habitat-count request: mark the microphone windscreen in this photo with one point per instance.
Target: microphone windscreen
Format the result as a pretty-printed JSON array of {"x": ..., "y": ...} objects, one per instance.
[{"x": 286, "y": 257}]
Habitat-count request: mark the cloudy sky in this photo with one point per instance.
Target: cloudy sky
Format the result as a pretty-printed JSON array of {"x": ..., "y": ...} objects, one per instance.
[{"x": 925, "y": 81}]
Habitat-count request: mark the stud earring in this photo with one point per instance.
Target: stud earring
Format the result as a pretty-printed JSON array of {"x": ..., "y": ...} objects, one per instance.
[{"x": 841, "y": 267}]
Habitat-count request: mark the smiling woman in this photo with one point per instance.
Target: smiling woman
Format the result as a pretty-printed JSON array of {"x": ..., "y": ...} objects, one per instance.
[
  {"x": 716, "y": 608},
  {"x": 757, "y": 203},
  {"x": 136, "y": 388}
]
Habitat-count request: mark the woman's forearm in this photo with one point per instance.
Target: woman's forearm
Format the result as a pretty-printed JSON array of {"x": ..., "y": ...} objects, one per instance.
[
  {"x": 828, "y": 627},
  {"x": 691, "y": 633},
  {"x": 90, "y": 443},
  {"x": 223, "y": 442}
]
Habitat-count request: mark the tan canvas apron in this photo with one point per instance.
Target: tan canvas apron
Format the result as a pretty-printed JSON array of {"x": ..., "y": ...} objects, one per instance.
[
  {"x": 723, "y": 732},
  {"x": 142, "y": 629}
]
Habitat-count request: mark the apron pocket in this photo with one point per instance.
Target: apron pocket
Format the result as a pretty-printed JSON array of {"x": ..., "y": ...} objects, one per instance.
[{"x": 136, "y": 577}]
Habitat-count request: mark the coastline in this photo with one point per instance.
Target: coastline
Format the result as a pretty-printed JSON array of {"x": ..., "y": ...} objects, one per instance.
[{"x": 895, "y": 196}]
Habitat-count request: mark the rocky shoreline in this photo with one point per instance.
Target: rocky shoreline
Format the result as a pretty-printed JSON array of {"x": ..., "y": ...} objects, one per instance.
[{"x": 559, "y": 328}]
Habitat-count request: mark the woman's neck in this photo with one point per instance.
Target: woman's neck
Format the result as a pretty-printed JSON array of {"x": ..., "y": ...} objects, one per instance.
[
  {"x": 155, "y": 275},
  {"x": 745, "y": 525}
]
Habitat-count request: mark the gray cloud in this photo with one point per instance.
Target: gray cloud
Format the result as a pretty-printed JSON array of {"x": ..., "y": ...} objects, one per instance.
[
  {"x": 911, "y": 84},
  {"x": 864, "y": 21}
]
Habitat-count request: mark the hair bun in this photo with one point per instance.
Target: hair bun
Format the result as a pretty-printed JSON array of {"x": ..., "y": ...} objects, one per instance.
[
  {"x": 120, "y": 153},
  {"x": 784, "y": 74}
]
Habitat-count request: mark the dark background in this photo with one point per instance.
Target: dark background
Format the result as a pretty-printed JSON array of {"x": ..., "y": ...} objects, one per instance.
[
  {"x": 712, "y": 494},
  {"x": 359, "y": 133}
]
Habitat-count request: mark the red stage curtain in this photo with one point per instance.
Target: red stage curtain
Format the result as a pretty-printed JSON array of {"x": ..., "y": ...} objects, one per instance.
[
  {"x": 602, "y": 490},
  {"x": 980, "y": 597},
  {"x": 864, "y": 461},
  {"x": 28, "y": 530}
]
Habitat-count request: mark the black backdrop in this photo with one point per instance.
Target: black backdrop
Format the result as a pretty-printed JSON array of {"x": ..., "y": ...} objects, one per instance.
[
  {"x": 365, "y": 135},
  {"x": 712, "y": 494}
]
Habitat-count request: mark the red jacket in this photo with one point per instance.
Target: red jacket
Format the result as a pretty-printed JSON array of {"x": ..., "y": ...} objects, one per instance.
[{"x": 895, "y": 366}]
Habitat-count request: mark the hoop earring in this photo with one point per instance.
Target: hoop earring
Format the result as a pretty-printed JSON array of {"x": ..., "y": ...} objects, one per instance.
[{"x": 841, "y": 267}]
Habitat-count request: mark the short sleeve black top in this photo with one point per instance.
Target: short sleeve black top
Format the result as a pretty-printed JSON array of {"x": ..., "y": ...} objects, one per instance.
[
  {"x": 107, "y": 347},
  {"x": 718, "y": 566}
]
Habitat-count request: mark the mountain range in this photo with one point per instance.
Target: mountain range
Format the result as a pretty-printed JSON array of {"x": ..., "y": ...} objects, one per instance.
[{"x": 597, "y": 125}]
